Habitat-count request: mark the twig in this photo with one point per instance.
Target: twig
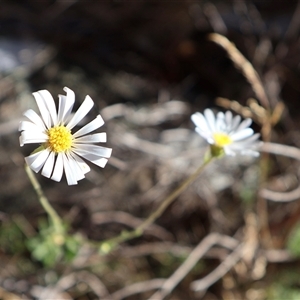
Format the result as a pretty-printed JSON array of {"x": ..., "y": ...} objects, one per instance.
[
  {"x": 154, "y": 248},
  {"x": 277, "y": 255},
  {"x": 94, "y": 283},
  {"x": 190, "y": 262},
  {"x": 66, "y": 282},
  {"x": 214, "y": 17},
  {"x": 244, "y": 65},
  {"x": 220, "y": 271},
  {"x": 280, "y": 149},
  {"x": 131, "y": 221},
  {"x": 136, "y": 288},
  {"x": 288, "y": 151}
]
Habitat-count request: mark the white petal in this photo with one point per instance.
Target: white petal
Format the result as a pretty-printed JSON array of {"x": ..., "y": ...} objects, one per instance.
[
  {"x": 65, "y": 105},
  {"x": 246, "y": 123},
  {"x": 96, "y": 123},
  {"x": 35, "y": 118},
  {"x": 48, "y": 166},
  {"x": 205, "y": 134},
  {"x": 101, "y": 162},
  {"x": 27, "y": 125},
  {"x": 69, "y": 171},
  {"x": 199, "y": 121},
  {"x": 235, "y": 123},
  {"x": 228, "y": 118},
  {"x": 82, "y": 111},
  {"x": 239, "y": 135},
  {"x": 83, "y": 165},
  {"x": 229, "y": 152},
  {"x": 92, "y": 138},
  {"x": 37, "y": 160},
  {"x": 210, "y": 118},
  {"x": 76, "y": 169},
  {"x": 46, "y": 106},
  {"x": 28, "y": 137},
  {"x": 250, "y": 143},
  {"x": 59, "y": 168},
  {"x": 220, "y": 124},
  {"x": 245, "y": 148},
  {"x": 21, "y": 142},
  {"x": 92, "y": 149}
]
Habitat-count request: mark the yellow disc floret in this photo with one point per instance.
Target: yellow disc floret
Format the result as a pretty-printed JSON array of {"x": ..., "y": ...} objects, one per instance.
[
  {"x": 222, "y": 139},
  {"x": 60, "y": 139}
]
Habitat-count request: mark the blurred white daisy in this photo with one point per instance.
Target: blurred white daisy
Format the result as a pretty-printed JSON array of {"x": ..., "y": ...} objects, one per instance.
[
  {"x": 60, "y": 147},
  {"x": 227, "y": 133}
]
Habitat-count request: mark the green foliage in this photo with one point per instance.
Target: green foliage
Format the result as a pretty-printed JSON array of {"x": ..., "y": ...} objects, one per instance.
[
  {"x": 285, "y": 286},
  {"x": 293, "y": 243},
  {"x": 11, "y": 238},
  {"x": 168, "y": 263},
  {"x": 247, "y": 187},
  {"x": 50, "y": 246},
  {"x": 247, "y": 195},
  {"x": 280, "y": 292}
]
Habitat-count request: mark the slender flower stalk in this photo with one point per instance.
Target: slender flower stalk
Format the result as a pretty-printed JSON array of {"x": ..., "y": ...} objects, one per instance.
[
  {"x": 54, "y": 217},
  {"x": 61, "y": 149},
  {"x": 108, "y": 245}
]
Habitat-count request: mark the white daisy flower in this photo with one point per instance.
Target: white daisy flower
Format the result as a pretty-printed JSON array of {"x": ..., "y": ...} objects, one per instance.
[
  {"x": 227, "y": 132},
  {"x": 61, "y": 148}
]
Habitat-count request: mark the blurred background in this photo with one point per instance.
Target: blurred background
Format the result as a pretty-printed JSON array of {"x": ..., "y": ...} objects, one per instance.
[{"x": 148, "y": 65}]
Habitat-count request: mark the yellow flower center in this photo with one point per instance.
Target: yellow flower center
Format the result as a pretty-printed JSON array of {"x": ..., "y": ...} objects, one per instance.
[
  {"x": 60, "y": 139},
  {"x": 222, "y": 139}
]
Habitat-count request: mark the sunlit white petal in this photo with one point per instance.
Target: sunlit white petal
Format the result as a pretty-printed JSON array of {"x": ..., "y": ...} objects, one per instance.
[
  {"x": 246, "y": 123},
  {"x": 35, "y": 118},
  {"x": 65, "y": 106},
  {"x": 239, "y": 135},
  {"x": 101, "y": 162},
  {"x": 58, "y": 168},
  {"x": 76, "y": 169},
  {"x": 27, "y": 125},
  {"x": 69, "y": 171},
  {"x": 92, "y": 138},
  {"x": 37, "y": 160},
  {"x": 95, "y": 124},
  {"x": 83, "y": 165},
  {"x": 220, "y": 122},
  {"x": 46, "y": 106},
  {"x": 235, "y": 122},
  {"x": 82, "y": 111},
  {"x": 228, "y": 118},
  {"x": 210, "y": 118},
  {"x": 93, "y": 149},
  {"x": 48, "y": 166},
  {"x": 200, "y": 121},
  {"x": 28, "y": 138}
]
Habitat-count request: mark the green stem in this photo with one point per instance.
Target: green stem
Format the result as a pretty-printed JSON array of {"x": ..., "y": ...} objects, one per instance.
[
  {"x": 54, "y": 217},
  {"x": 109, "y": 244}
]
